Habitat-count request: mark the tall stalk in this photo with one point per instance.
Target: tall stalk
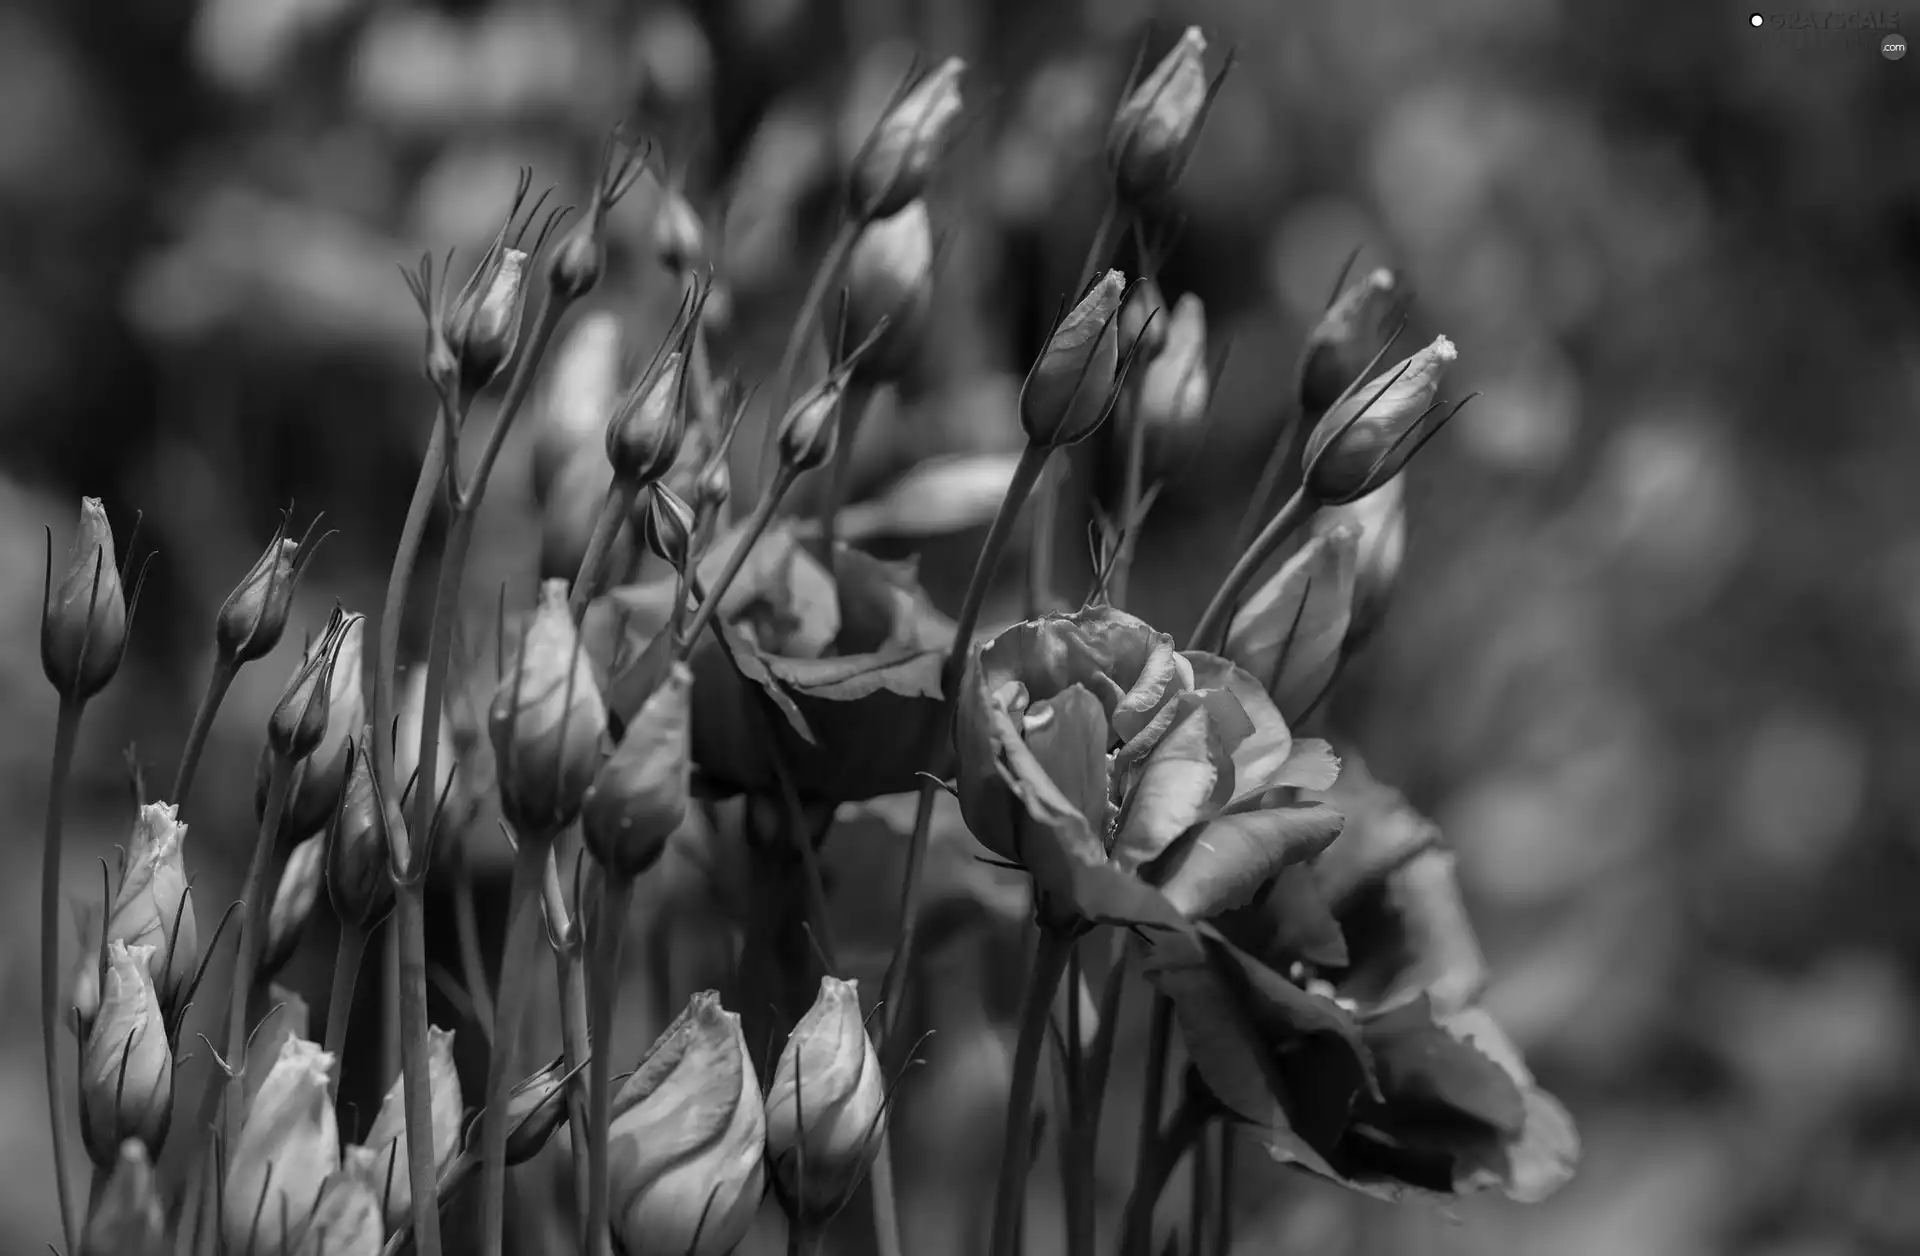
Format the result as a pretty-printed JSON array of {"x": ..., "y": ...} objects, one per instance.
[
  {"x": 253, "y": 918},
  {"x": 66, "y": 730},
  {"x": 603, "y": 977},
  {"x": 347, "y": 959},
  {"x": 1049, "y": 961},
  {"x": 516, "y": 981},
  {"x": 1207, "y": 634},
  {"x": 221, "y": 679}
]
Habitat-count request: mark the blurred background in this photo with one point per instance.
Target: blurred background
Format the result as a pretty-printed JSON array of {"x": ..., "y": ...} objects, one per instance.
[{"x": 1655, "y": 655}]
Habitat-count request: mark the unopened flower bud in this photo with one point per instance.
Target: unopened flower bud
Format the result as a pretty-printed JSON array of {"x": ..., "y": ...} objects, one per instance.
[
  {"x": 577, "y": 264},
  {"x": 668, "y": 527},
  {"x": 1175, "y": 388},
  {"x": 324, "y": 774},
  {"x": 346, "y": 1220},
  {"x": 679, "y": 241},
  {"x": 536, "y": 1107},
  {"x": 1380, "y": 519},
  {"x": 1345, "y": 339},
  {"x": 582, "y": 389},
  {"x": 713, "y": 488},
  {"x": 358, "y": 877},
  {"x": 547, "y": 722},
  {"x": 254, "y": 616},
  {"x": 640, "y": 797},
  {"x": 299, "y": 722},
  {"x": 152, "y": 909},
  {"x": 486, "y": 324},
  {"x": 644, "y": 436},
  {"x": 126, "y": 1068},
  {"x": 289, "y": 1146},
  {"x": 381, "y": 1160},
  {"x": 1156, "y": 126},
  {"x": 1364, "y": 441},
  {"x": 890, "y": 277},
  {"x": 83, "y": 623},
  {"x": 811, "y": 428},
  {"x": 293, "y": 903},
  {"x": 1143, "y": 319},
  {"x": 1069, "y": 390},
  {"x": 129, "y": 1219},
  {"x": 1290, "y": 634},
  {"x": 910, "y": 140},
  {"x": 695, "y": 1091},
  {"x": 406, "y": 741},
  {"x": 827, "y": 1104}
]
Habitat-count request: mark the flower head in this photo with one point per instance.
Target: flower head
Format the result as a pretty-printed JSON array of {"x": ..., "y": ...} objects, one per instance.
[
  {"x": 645, "y": 434},
  {"x": 298, "y": 725},
  {"x": 1155, "y": 128},
  {"x": 688, "y": 1139},
  {"x": 289, "y": 1146},
  {"x": 358, "y": 878},
  {"x": 810, "y": 431},
  {"x": 293, "y": 902},
  {"x": 83, "y": 622},
  {"x": 153, "y": 907},
  {"x": 1175, "y": 387},
  {"x": 910, "y": 140},
  {"x": 640, "y": 796},
  {"x": 826, "y": 1105},
  {"x": 1069, "y": 391},
  {"x": 536, "y": 1107},
  {"x": 316, "y": 795},
  {"x": 890, "y": 277},
  {"x": 345, "y": 1222},
  {"x": 547, "y": 721},
  {"x": 381, "y": 1160},
  {"x": 254, "y": 616},
  {"x": 1346, "y": 338},
  {"x": 126, "y": 1067},
  {"x": 1365, "y": 440}
]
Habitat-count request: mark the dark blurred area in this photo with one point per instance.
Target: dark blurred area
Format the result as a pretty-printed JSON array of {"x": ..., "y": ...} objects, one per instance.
[{"x": 1656, "y": 650}]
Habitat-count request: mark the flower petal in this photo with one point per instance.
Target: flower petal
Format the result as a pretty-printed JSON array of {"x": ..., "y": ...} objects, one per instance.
[
  {"x": 1173, "y": 790},
  {"x": 1289, "y": 634},
  {"x": 1267, "y": 743},
  {"x": 1068, "y": 737},
  {"x": 1225, "y": 863}
]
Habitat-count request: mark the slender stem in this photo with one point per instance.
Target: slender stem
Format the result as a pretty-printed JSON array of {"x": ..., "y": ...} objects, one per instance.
[
  {"x": 390, "y": 1062},
  {"x": 823, "y": 277},
  {"x": 1223, "y": 1197},
  {"x": 224, "y": 670},
  {"x": 65, "y": 730},
  {"x": 1077, "y": 1181},
  {"x": 853, "y": 412},
  {"x": 347, "y": 959},
  {"x": 1153, "y": 1087},
  {"x": 1049, "y": 961},
  {"x": 575, "y": 1046},
  {"x": 1281, "y": 469},
  {"x": 515, "y": 982},
  {"x": 1040, "y": 547},
  {"x": 606, "y": 528},
  {"x": 1106, "y": 1033},
  {"x": 1210, "y": 631},
  {"x": 466, "y": 929},
  {"x": 603, "y": 976},
  {"x": 1165, "y": 1149},
  {"x": 886, "y": 1207},
  {"x": 757, "y": 524},
  {"x": 252, "y": 935},
  {"x": 1200, "y": 1193},
  {"x": 393, "y": 609}
]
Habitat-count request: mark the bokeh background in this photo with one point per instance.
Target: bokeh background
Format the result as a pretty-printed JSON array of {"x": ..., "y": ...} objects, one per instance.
[{"x": 1655, "y": 657}]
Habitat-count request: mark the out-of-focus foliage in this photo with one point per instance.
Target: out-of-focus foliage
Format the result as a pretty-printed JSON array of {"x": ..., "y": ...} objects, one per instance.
[{"x": 1656, "y": 655}]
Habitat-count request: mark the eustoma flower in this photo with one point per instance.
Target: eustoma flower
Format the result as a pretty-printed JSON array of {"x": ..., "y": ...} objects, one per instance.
[
  {"x": 152, "y": 907},
  {"x": 289, "y": 1146}
]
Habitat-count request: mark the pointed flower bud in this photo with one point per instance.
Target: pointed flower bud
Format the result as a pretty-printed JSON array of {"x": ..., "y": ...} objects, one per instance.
[
  {"x": 536, "y": 1107},
  {"x": 577, "y": 264},
  {"x": 640, "y": 796},
  {"x": 1069, "y": 390},
  {"x": 288, "y": 1147},
  {"x": 712, "y": 489},
  {"x": 1175, "y": 388},
  {"x": 890, "y": 277},
  {"x": 1156, "y": 126},
  {"x": 547, "y": 722},
  {"x": 130, "y": 1218},
  {"x": 668, "y": 527},
  {"x": 293, "y": 903},
  {"x": 254, "y": 616},
  {"x": 688, "y": 1139},
  {"x": 486, "y": 328},
  {"x": 299, "y": 722},
  {"x": 583, "y": 387},
  {"x": 1380, "y": 519},
  {"x": 317, "y": 792},
  {"x": 357, "y": 872},
  {"x": 83, "y": 622},
  {"x": 1345, "y": 339},
  {"x": 811, "y": 429},
  {"x": 152, "y": 909},
  {"x": 679, "y": 241},
  {"x": 910, "y": 140},
  {"x": 126, "y": 1068},
  {"x": 381, "y": 1161},
  {"x": 827, "y": 1104},
  {"x": 346, "y": 1220},
  {"x": 645, "y": 434},
  {"x": 1364, "y": 441}
]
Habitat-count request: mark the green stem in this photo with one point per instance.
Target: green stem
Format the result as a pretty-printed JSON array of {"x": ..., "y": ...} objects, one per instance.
[
  {"x": 1164, "y": 1149},
  {"x": 66, "y": 730},
  {"x": 1211, "y": 631},
  {"x": 515, "y": 985},
  {"x": 575, "y": 1045},
  {"x": 886, "y": 1207},
  {"x": 399, "y": 577},
  {"x": 347, "y": 959},
  {"x": 603, "y": 976},
  {"x": 1049, "y": 962},
  {"x": 253, "y": 893},
  {"x": 823, "y": 277},
  {"x": 1153, "y": 1086},
  {"x": 757, "y": 524},
  {"x": 224, "y": 670},
  {"x": 606, "y": 529}
]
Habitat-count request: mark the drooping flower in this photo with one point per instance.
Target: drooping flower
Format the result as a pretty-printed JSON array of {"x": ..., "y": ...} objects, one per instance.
[{"x": 688, "y": 1139}]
